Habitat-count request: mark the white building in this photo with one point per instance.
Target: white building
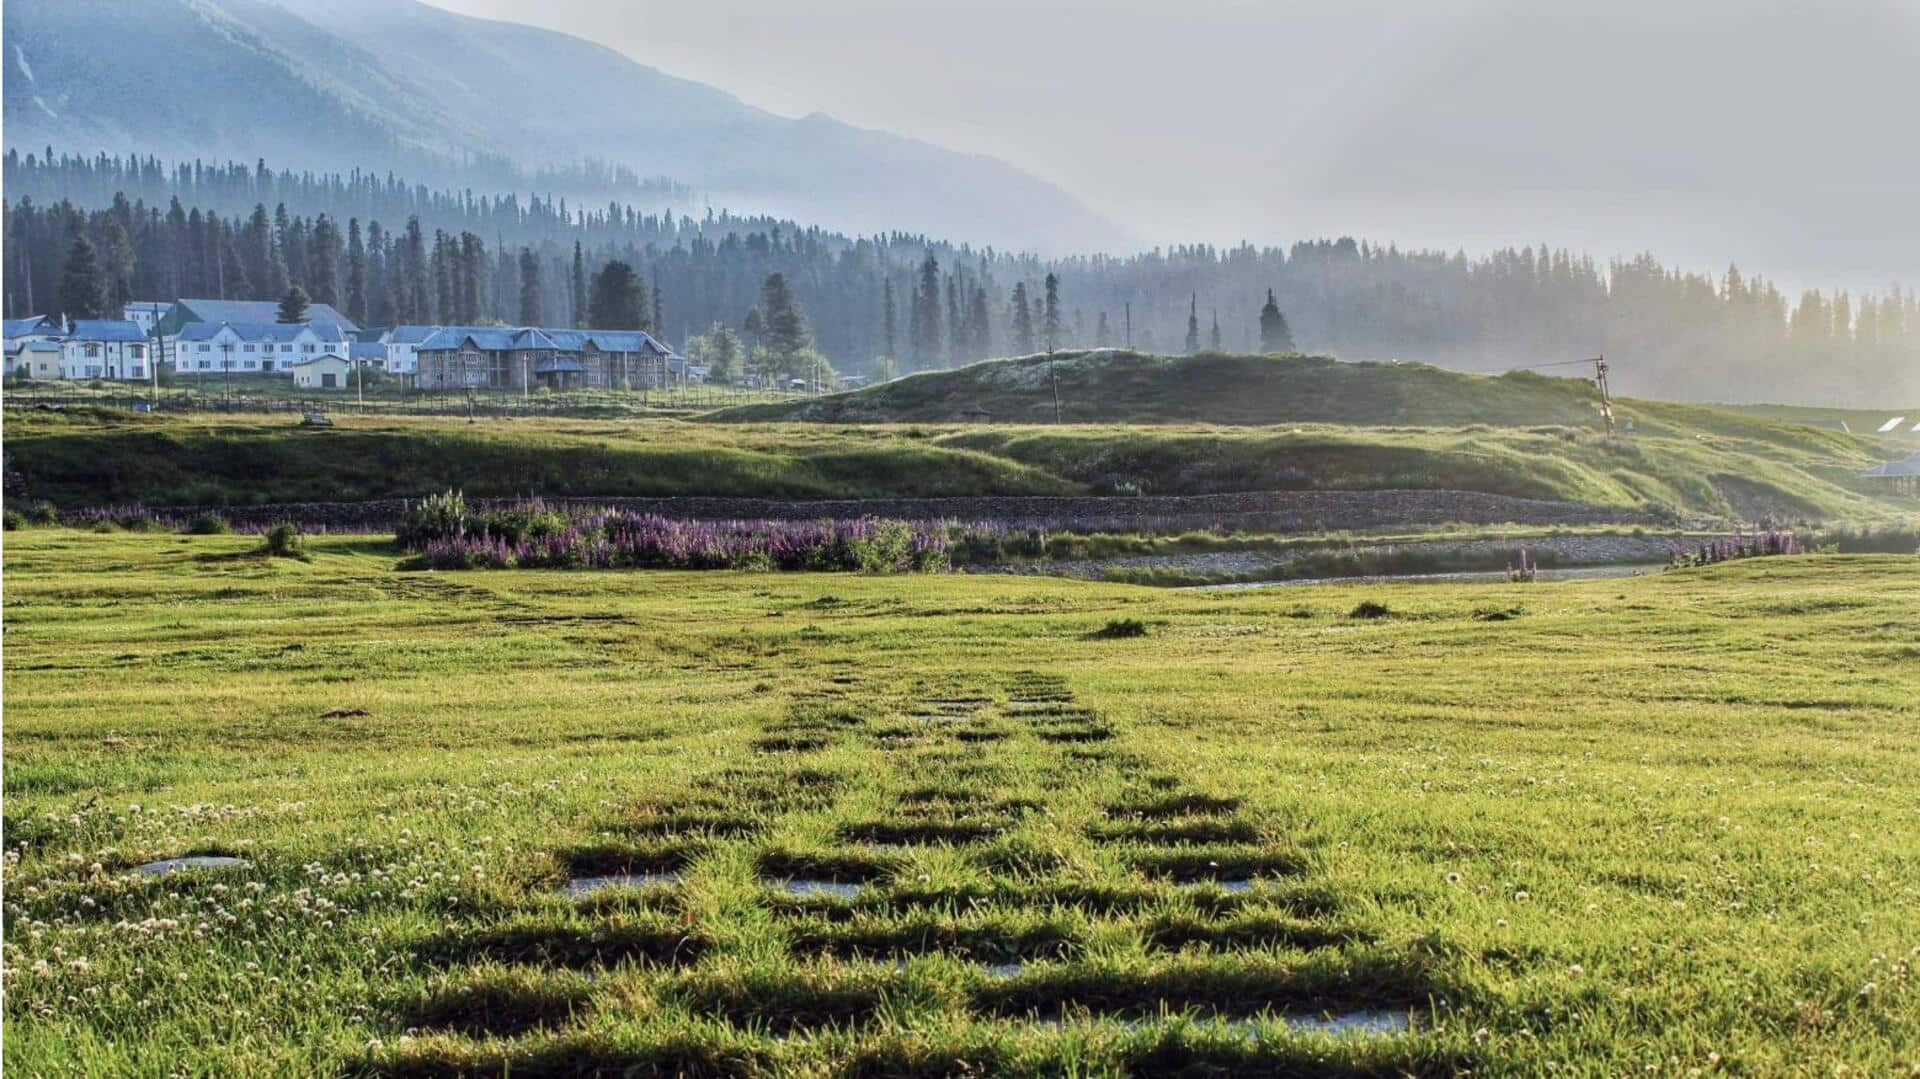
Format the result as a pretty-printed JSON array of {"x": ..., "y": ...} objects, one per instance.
[
  {"x": 104, "y": 348},
  {"x": 146, "y": 314},
  {"x": 253, "y": 347},
  {"x": 323, "y": 373},
  {"x": 33, "y": 347}
]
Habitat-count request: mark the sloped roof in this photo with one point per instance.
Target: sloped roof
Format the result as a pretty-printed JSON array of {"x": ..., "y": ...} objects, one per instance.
[
  {"x": 261, "y": 331},
  {"x": 106, "y": 329},
  {"x": 327, "y": 358},
  {"x": 32, "y": 324},
  {"x": 1909, "y": 467},
  {"x": 367, "y": 350},
  {"x": 416, "y": 333},
  {"x": 511, "y": 339},
  {"x": 261, "y": 311}
]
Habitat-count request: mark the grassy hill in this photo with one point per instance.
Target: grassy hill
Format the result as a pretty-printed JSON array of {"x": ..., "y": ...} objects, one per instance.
[
  {"x": 1112, "y": 386},
  {"x": 1680, "y": 460}
]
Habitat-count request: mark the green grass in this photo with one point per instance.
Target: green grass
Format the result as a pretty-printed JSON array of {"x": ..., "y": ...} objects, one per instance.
[
  {"x": 388, "y": 396},
  {"x": 1642, "y": 825},
  {"x": 1681, "y": 460},
  {"x": 1116, "y": 386}
]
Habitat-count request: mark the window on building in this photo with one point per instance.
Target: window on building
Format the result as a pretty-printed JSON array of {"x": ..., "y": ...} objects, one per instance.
[
  {"x": 138, "y": 352},
  {"x": 309, "y": 349},
  {"x": 286, "y": 348},
  {"x": 203, "y": 347},
  {"x": 137, "y": 372},
  {"x": 92, "y": 349},
  {"x": 248, "y": 348}
]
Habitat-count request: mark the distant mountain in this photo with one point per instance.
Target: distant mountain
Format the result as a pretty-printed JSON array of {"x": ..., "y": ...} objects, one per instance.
[{"x": 397, "y": 84}]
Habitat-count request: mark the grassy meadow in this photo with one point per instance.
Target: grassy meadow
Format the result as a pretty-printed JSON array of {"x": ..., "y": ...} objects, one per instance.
[{"x": 1660, "y": 825}]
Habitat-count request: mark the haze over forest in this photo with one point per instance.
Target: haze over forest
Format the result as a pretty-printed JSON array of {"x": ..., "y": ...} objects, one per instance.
[{"x": 1006, "y": 156}]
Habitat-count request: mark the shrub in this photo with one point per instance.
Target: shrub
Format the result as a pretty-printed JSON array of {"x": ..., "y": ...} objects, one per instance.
[
  {"x": 208, "y": 524},
  {"x": 437, "y": 517},
  {"x": 1121, "y": 628},
  {"x": 528, "y": 520},
  {"x": 44, "y": 513},
  {"x": 1895, "y": 539},
  {"x": 889, "y": 549},
  {"x": 283, "y": 541},
  {"x": 11, "y": 520},
  {"x": 1369, "y": 609}
]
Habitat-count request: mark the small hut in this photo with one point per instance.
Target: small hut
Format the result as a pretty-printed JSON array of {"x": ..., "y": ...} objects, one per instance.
[
  {"x": 1902, "y": 475},
  {"x": 975, "y": 414}
]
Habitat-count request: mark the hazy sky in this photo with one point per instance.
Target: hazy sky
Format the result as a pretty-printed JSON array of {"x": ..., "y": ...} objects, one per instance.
[{"x": 1777, "y": 134}]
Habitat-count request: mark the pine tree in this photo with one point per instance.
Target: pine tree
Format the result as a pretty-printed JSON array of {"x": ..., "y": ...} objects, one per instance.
[
  {"x": 414, "y": 286},
  {"x": 256, "y": 246},
  {"x": 293, "y": 305},
  {"x": 956, "y": 325},
  {"x": 888, "y": 318},
  {"x": 114, "y": 255},
  {"x": 723, "y": 354},
  {"x": 579, "y": 287},
  {"x": 753, "y": 327},
  {"x": 1274, "y": 335},
  {"x": 926, "y": 314},
  {"x": 323, "y": 261},
  {"x": 529, "y": 288},
  {"x": 979, "y": 333},
  {"x": 81, "y": 294},
  {"x": 1193, "y": 324},
  {"x": 1102, "y": 332},
  {"x": 356, "y": 272},
  {"x": 1213, "y": 338},
  {"x": 1052, "y": 313},
  {"x": 1022, "y": 321},
  {"x": 785, "y": 328},
  {"x": 657, "y": 322},
  {"x": 618, "y": 299}
]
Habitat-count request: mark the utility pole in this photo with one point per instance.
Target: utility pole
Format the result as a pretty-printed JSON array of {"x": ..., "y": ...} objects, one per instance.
[
  {"x": 1129, "y": 325},
  {"x": 1606, "y": 397}
]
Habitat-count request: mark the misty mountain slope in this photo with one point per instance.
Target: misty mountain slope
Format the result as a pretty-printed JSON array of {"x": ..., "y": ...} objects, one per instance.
[
  {"x": 181, "y": 77},
  {"x": 397, "y": 84}
]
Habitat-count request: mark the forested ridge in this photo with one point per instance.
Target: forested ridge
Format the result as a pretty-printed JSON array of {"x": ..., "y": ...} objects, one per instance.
[{"x": 385, "y": 251}]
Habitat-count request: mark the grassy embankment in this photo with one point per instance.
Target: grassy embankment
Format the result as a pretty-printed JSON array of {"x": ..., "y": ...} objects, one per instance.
[
  {"x": 1627, "y": 826},
  {"x": 1682, "y": 461},
  {"x": 389, "y": 397}
]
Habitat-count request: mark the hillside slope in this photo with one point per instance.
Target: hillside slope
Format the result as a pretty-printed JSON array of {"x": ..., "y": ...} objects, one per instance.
[
  {"x": 1684, "y": 463},
  {"x": 400, "y": 85},
  {"x": 1114, "y": 386}
]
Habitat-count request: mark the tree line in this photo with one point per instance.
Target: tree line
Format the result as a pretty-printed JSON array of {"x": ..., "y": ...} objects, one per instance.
[{"x": 385, "y": 251}]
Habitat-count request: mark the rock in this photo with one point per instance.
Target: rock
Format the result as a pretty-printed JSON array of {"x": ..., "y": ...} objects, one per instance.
[{"x": 207, "y": 862}]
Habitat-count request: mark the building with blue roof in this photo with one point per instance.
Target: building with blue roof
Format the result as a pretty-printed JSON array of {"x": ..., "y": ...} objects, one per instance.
[
  {"x": 530, "y": 357},
  {"x": 252, "y": 312},
  {"x": 106, "y": 348},
  {"x": 252, "y": 347}
]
